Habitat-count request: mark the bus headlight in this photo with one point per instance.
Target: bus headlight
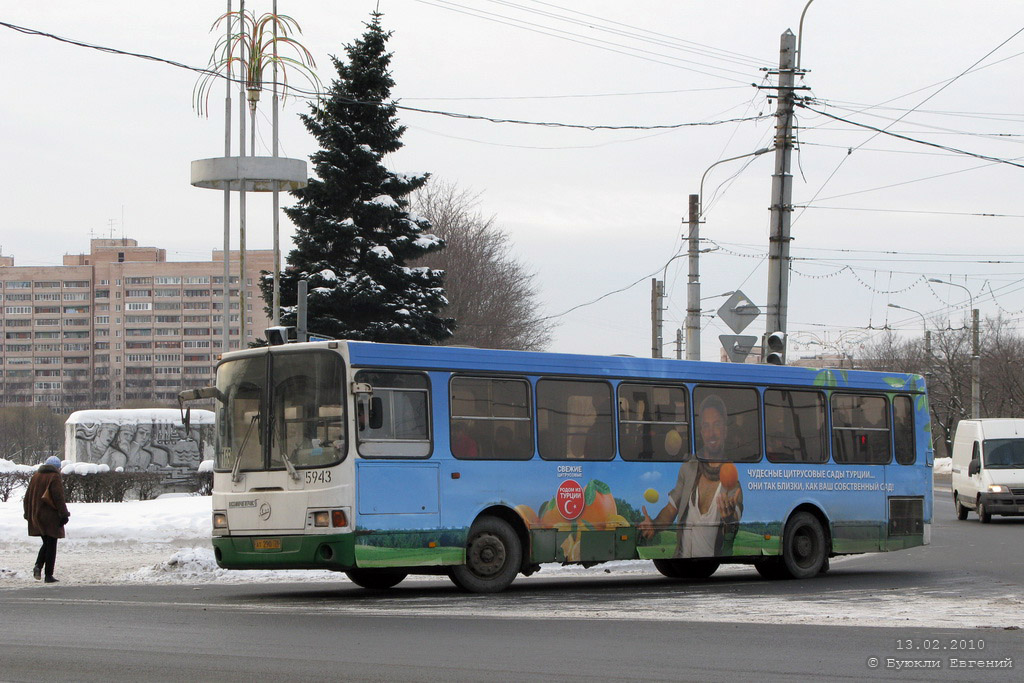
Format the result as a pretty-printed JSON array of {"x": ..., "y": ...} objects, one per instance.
[
  {"x": 321, "y": 518},
  {"x": 220, "y": 520},
  {"x": 998, "y": 488}
]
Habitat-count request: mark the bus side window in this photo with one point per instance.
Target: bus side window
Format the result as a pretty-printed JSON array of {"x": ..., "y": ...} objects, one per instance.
[
  {"x": 794, "y": 426},
  {"x": 575, "y": 420},
  {"x": 737, "y": 436},
  {"x": 860, "y": 429},
  {"x": 395, "y": 420},
  {"x": 491, "y": 418},
  {"x": 903, "y": 430},
  {"x": 653, "y": 422}
]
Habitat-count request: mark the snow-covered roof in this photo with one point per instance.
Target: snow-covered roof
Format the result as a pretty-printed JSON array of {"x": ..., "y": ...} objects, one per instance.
[{"x": 138, "y": 415}]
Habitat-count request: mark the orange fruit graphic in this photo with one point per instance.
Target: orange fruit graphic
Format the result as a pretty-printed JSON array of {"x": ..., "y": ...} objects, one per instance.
[
  {"x": 528, "y": 515},
  {"x": 728, "y": 475},
  {"x": 551, "y": 517},
  {"x": 601, "y": 510}
]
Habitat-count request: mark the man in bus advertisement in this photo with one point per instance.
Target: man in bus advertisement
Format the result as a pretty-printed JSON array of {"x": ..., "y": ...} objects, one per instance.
[{"x": 707, "y": 500}]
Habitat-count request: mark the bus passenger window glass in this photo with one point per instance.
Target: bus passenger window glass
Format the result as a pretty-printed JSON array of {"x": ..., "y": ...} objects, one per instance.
[
  {"x": 394, "y": 421},
  {"x": 860, "y": 429},
  {"x": 794, "y": 426},
  {"x": 903, "y": 430},
  {"x": 491, "y": 419},
  {"x": 728, "y": 424},
  {"x": 307, "y": 415},
  {"x": 654, "y": 422},
  {"x": 574, "y": 420},
  {"x": 239, "y": 423}
]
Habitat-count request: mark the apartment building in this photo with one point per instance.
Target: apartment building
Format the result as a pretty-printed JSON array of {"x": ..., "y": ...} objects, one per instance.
[{"x": 120, "y": 324}]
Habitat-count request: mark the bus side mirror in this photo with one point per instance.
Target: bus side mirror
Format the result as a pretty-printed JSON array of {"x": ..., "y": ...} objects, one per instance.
[
  {"x": 376, "y": 413},
  {"x": 974, "y": 468}
]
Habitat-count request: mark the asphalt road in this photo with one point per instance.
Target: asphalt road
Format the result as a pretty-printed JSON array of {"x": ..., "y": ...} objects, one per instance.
[{"x": 606, "y": 627}]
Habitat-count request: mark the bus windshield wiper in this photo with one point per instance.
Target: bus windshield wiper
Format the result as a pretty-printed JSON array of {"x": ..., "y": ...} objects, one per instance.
[
  {"x": 235, "y": 471},
  {"x": 288, "y": 464}
]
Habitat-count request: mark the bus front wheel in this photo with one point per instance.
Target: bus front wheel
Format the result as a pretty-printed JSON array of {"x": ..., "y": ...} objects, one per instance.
[
  {"x": 493, "y": 557},
  {"x": 375, "y": 579},
  {"x": 803, "y": 546}
]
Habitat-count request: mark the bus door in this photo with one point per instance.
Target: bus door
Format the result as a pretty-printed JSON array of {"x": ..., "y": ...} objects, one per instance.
[
  {"x": 861, "y": 449},
  {"x": 908, "y": 476}
]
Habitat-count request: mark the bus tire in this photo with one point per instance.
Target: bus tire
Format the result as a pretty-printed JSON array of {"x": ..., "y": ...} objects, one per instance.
[
  {"x": 983, "y": 515},
  {"x": 961, "y": 511},
  {"x": 686, "y": 569},
  {"x": 803, "y": 546},
  {"x": 493, "y": 557},
  {"x": 375, "y": 579}
]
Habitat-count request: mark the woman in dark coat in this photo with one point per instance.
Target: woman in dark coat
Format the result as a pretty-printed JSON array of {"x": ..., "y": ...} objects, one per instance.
[{"x": 47, "y": 513}]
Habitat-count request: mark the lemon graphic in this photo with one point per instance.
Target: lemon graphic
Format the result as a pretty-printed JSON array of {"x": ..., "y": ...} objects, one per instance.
[
  {"x": 673, "y": 443},
  {"x": 651, "y": 496}
]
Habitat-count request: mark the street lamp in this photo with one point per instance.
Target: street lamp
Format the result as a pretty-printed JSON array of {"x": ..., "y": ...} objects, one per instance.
[
  {"x": 975, "y": 350},
  {"x": 924, "y": 325},
  {"x": 693, "y": 279}
]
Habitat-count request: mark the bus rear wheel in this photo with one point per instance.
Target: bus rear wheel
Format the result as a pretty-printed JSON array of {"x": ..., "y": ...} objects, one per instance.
[
  {"x": 493, "y": 557},
  {"x": 375, "y": 579},
  {"x": 686, "y": 569},
  {"x": 803, "y": 546}
]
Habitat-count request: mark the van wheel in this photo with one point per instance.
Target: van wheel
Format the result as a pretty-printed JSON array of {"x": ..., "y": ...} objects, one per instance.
[
  {"x": 493, "y": 557},
  {"x": 983, "y": 516},
  {"x": 803, "y": 546},
  {"x": 961, "y": 511}
]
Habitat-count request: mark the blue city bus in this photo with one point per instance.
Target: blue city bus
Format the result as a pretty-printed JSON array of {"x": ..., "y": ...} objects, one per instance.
[{"x": 384, "y": 460}]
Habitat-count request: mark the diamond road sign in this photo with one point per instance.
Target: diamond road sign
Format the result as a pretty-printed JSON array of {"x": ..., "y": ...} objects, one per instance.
[
  {"x": 737, "y": 347},
  {"x": 738, "y": 312}
]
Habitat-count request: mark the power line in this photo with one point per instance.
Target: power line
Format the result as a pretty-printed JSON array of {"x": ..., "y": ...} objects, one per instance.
[
  {"x": 581, "y": 39},
  {"x": 662, "y": 40},
  {"x": 929, "y": 213},
  {"x": 575, "y": 96},
  {"x": 748, "y": 58},
  {"x": 882, "y": 131},
  {"x": 310, "y": 95}
]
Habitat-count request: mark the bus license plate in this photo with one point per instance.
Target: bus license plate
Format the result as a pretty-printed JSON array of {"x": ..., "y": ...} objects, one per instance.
[{"x": 266, "y": 544}]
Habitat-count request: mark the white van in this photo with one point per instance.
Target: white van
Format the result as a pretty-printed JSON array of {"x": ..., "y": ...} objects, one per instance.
[{"x": 988, "y": 468}]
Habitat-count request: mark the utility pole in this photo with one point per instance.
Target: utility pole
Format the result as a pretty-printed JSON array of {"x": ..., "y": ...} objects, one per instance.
[
  {"x": 782, "y": 192},
  {"x": 657, "y": 293},
  {"x": 679, "y": 343},
  {"x": 975, "y": 367},
  {"x": 693, "y": 283}
]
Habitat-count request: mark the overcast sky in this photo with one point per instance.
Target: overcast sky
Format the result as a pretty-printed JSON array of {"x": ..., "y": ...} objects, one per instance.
[{"x": 90, "y": 137}]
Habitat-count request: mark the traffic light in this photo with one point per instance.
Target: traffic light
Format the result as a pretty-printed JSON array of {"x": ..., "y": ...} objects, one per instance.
[
  {"x": 775, "y": 348},
  {"x": 277, "y": 336}
]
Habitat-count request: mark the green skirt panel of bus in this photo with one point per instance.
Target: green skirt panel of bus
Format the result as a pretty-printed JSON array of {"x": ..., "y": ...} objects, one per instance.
[{"x": 327, "y": 551}]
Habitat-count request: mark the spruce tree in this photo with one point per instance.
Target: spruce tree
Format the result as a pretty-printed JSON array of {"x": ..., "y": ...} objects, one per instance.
[{"x": 354, "y": 231}]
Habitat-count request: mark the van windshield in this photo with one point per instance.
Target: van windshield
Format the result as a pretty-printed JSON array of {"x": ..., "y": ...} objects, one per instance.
[{"x": 1004, "y": 454}]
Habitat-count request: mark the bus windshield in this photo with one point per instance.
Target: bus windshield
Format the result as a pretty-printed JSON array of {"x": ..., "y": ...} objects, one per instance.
[
  {"x": 1004, "y": 454},
  {"x": 278, "y": 407}
]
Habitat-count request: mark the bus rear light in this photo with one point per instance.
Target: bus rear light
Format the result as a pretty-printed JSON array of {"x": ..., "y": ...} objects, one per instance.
[
  {"x": 338, "y": 518},
  {"x": 321, "y": 518},
  {"x": 220, "y": 520}
]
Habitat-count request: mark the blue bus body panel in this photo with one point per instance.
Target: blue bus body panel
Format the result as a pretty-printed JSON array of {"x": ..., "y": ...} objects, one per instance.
[{"x": 418, "y": 512}]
